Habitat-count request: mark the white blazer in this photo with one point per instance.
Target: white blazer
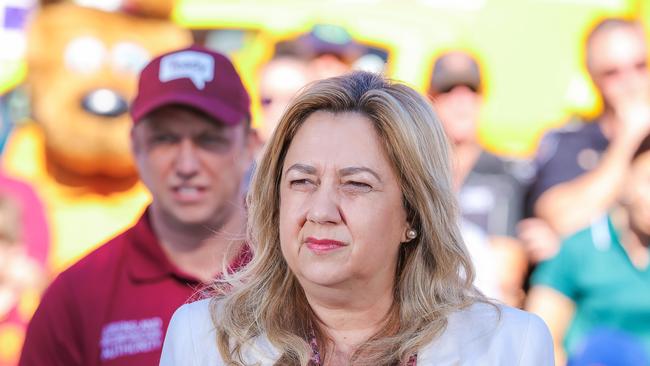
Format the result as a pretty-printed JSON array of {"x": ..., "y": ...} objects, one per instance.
[{"x": 474, "y": 336}]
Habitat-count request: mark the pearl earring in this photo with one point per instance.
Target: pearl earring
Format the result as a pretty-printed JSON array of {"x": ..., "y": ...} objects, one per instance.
[{"x": 411, "y": 234}]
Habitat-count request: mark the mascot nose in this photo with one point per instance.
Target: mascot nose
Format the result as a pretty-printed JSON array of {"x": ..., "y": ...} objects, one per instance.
[{"x": 105, "y": 103}]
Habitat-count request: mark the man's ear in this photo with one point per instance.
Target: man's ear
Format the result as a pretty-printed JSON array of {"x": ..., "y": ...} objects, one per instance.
[
  {"x": 254, "y": 143},
  {"x": 133, "y": 138}
]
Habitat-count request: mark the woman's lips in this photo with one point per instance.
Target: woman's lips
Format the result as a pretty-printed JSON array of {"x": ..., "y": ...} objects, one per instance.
[{"x": 323, "y": 245}]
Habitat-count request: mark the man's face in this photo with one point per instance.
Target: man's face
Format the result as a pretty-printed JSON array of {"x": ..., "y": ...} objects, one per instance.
[
  {"x": 193, "y": 166},
  {"x": 280, "y": 80},
  {"x": 459, "y": 110},
  {"x": 619, "y": 67}
]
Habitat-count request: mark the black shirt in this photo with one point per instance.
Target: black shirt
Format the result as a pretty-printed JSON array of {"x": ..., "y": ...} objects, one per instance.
[
  {"x": 493, "y": 194},
  {"x": 567, "y": 153}
]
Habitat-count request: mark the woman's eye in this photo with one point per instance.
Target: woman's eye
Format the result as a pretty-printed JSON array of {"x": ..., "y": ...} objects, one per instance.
[
  {"x": 358, "y": 186},
  {"x": 300, "y": 182}
]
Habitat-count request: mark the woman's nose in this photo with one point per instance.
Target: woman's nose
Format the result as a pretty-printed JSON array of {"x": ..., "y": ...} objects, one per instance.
[{"x": 324, "y": 206}]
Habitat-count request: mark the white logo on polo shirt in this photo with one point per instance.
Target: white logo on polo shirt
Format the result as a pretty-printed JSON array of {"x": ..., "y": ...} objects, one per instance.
[
  {"x": 196, "y": 66},
  {"x": 130, "y": 337}
]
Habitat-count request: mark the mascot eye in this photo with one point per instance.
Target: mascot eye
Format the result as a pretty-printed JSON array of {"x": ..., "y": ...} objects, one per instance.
[
  {"x": 129, "y": 57},
  {"x": 105, "y": 5},
  {"x": 85, "y": 54}
]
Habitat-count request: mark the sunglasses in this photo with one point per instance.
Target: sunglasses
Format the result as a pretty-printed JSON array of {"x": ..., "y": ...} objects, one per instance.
[
  {"x": 616, "y": 71},
  {"x": 450, "y": 88}
]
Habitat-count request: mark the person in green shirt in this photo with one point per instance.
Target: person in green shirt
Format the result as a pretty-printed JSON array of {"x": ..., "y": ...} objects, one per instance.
[{"x": 600, "y": 278}]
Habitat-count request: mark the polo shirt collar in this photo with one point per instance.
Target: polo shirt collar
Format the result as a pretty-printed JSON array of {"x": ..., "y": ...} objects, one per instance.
[
  {"x": 145, "y": 258},
  {"x": 147, "y": 262}
]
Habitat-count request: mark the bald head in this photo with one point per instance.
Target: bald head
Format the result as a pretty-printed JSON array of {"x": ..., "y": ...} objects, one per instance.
[
  {"x": 605, "y": 33},
  {"x": 617, "y": 61}
]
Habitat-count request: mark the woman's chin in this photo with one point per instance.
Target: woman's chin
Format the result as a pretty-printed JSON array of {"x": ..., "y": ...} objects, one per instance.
[{"x": 322, "y": 277}]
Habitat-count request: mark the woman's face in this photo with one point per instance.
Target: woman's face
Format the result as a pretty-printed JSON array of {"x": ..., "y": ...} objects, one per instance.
[
  {"x": 341, "y": 214},
  {"x": 637, "y": 193}
]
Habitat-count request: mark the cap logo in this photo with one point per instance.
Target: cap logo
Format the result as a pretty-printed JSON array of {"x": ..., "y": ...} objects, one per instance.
[{"x": 196, "y": 66}]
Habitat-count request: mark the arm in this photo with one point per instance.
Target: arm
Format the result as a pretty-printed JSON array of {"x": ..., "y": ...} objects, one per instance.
[
  {"x": 573, "y": 204},
  {"x": 539, "y": 240},
  {"x": 557, "y": 311},
  {"x": 52, "y": 337},
  {"x": 511, "y": 270}
]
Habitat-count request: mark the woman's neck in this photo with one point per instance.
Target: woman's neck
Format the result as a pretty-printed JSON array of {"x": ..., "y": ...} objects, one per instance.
[{"x": 350, "y": 319}]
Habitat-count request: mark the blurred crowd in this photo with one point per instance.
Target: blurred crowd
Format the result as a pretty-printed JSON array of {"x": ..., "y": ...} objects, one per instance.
[{"x": 564, "y": 233}]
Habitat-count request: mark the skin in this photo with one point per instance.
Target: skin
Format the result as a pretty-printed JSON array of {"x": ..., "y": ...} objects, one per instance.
[
  {"x": 618, "y": 67},
  {"x": 459, "y": 111},
  {"x": 632, "y": 219},
  {"x": 194, "y": 171},
  {"x": 280, "y": 79},
  {"x": 338, "y": 184}
]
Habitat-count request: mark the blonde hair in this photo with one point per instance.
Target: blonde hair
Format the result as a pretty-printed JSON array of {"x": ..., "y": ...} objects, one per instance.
[{"x": 434, "y": 275}]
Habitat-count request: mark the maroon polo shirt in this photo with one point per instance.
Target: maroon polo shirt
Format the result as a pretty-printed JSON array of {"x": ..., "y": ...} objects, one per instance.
[{"x": 113, "y": 306}]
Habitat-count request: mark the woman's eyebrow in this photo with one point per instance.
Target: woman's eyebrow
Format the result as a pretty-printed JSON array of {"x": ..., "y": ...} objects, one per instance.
[
  {"x": 358, "y": 169},
  {"x": 307, "y": 169}
]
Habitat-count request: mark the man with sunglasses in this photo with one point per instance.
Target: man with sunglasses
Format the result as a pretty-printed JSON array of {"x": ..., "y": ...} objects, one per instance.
[
  {"x": 580, "y": 168},
  {"x": 491, "y": 188}
]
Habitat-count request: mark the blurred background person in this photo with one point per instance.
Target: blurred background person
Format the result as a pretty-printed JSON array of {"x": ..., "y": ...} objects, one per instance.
[
  {"x": 22, "y": 277},
  {"x": 279, "y": 80},
  {"x": 325, "y": 51},
  {"x": 491, "y": 189},
  {"x": 330, "y": 50},
  {"x": 600, "y": 279},
  {"x": 24, "y": 273},
  {"x": 582, "y": 166}
]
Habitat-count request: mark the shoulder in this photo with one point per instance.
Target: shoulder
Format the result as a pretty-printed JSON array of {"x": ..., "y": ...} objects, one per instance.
[
  {"x": 578, "y": 242},
  {"x": 69, "y": 310},
  {"x": 518, "y": 169},
  {"x": 82, "y": 278},
  {"x": 191, "y": 337},
  {"x": 196, "y": 313},
  {"x": 492, "y": 320},
  {"x": 579, "y": 246},
  {"x": 564, "y": 271},
  {"x": 98, "y": 263},
  {"x": 485, "y": 334},
  {"x": 576, "y": 127},
  {"x": 82, "y": 290},
  {"x": 568, "y": 139}
]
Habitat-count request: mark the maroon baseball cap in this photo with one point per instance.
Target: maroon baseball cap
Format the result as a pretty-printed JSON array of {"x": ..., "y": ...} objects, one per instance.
[{"x": 195, "y": 77}]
